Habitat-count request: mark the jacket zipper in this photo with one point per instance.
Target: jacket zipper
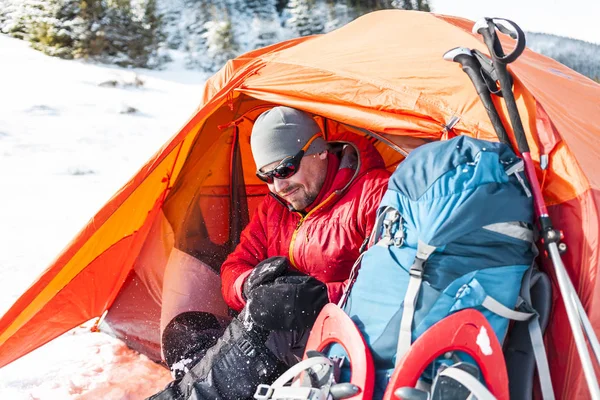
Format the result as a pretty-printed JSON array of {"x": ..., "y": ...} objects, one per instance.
[
  {"x": 302, "y": 219},
  {"x": 299, "y": 224}
]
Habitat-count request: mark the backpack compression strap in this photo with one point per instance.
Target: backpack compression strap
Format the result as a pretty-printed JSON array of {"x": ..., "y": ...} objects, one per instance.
[
  {"x": 381, "y": 235},
  {"x": 412, "y": 292}
]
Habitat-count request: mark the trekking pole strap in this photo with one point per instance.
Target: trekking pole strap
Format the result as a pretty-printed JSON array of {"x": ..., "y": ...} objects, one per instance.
[
  {"x": 412, "y": 292},
  {"x": 491, "y": 39},
  {"x": 478, "y": 390},
  {"x": 488, "y": 72},
  {"x": 487, "y": 28}
]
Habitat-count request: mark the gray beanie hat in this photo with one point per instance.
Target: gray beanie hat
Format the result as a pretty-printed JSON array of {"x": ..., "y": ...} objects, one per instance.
[{"x": 282, "y": 132}]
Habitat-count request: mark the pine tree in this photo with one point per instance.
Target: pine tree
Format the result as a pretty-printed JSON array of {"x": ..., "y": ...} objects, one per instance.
[
  {"x": 120, "y": 33},
  {"x": 194, "y": 33},
  {"x": 172, "y": 20},
  {"x": 241, "y": 16},
  {"x": 126, "y": 34},
  {"x": 62, "y": 28},
  {"x": 70, "y": 33},
  {"x": 7, "y": 7},
  {"x": 281, "y": 5},
  {"x": 423, "y": 5},
  {"x": 265, "y": 31},
  {"x": 419, "y": 5},
  {"x": 106, "y": 30},
  {"x": 264, "y": 9},
  {"x": 221, "y": 43},
  {"x": 28, "y": 16},
  {"x": 155, "y": 36},
  {"x": 339, "y": 13},
  {"x": 305, "y": 19},
  {"x": 265, "y": 27}
]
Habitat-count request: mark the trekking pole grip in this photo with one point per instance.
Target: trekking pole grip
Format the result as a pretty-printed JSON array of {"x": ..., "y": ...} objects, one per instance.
[
  {"x": 471, "y": 66},
  {"x": 488, "y": 31}
]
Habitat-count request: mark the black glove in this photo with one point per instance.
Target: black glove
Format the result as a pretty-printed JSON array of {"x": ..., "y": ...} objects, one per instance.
[
  {"x": 291, "y": 302},
  {"x": 266, "y": 271}
]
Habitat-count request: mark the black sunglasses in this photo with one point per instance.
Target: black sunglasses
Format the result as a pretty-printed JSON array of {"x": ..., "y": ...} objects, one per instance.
[{"x": 288, "y": 166}]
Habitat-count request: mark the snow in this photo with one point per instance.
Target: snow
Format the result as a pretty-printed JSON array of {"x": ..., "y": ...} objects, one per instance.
[{"x": 67, "y": 144}]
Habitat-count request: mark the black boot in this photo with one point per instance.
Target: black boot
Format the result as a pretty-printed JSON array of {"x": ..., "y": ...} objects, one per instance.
[{"x": 230, "y": 370}]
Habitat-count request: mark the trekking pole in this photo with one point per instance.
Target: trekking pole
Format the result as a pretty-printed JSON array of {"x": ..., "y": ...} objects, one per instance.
[
  {"x": 472, "y": 68},
  {"x": 470, "y": 60},
  {"x": 487, "y": 28}
]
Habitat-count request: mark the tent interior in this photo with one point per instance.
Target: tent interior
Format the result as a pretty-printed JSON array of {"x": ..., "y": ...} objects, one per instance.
[{"x": 202, "y": 217}]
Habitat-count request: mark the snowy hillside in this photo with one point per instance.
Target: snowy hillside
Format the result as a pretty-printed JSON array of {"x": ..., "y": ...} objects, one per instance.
[
  {"x": 583, "y": 57},
  {"x": 71, "y": 134}
]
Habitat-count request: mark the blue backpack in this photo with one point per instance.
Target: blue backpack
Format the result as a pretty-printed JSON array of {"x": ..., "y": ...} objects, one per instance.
[{"x": 454, "y": 231}]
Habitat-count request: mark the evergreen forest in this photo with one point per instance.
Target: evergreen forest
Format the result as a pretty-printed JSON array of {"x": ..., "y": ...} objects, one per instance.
[{"x": 207, "y": 33}]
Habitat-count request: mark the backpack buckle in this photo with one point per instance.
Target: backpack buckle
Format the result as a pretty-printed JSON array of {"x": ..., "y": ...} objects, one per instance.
[
  {"x": 390, "y": 220},
  {"x": 416, "y": 271},
  {"x": 525, "y": 307},
  {"x": 515, "y": 170},
  {"x": 398, "y": 239}
]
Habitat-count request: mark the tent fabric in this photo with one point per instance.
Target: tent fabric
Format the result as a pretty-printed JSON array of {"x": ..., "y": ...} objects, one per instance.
[{"x": 383, "y": 76}]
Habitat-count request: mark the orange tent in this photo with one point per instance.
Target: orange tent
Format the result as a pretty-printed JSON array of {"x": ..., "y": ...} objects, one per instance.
[{"x": 382, "y": 75}]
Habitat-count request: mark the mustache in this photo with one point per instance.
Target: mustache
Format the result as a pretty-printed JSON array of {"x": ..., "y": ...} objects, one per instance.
[{"x": 288, "y": 190}]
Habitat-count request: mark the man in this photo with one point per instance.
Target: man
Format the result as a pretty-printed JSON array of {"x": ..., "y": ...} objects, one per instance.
[{"x": 294, "y": 256}]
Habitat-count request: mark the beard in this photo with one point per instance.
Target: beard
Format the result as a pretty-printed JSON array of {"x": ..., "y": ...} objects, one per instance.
[
  {"x": 301, "y": 199},
  {"x": 302, "y": 191}
]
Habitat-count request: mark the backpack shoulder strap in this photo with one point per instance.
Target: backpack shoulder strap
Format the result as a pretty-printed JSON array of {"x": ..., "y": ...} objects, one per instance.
[
  {"x": 535, "y": 332},
  {"x": 414, "y": 286}
]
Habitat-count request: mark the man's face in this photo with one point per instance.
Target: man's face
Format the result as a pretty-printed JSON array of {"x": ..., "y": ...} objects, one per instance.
[{"x": 302, "y": 188}]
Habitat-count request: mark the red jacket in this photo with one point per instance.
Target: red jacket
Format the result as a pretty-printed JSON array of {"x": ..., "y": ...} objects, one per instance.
[{"x": 325, "y": 242}]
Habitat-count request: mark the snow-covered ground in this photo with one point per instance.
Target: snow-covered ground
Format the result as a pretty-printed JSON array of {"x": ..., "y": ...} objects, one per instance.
[{"x": 69, "y": 139}]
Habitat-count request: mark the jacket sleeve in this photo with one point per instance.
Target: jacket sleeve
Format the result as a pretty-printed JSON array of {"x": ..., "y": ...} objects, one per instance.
[{"x": 251, "y": 250}]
